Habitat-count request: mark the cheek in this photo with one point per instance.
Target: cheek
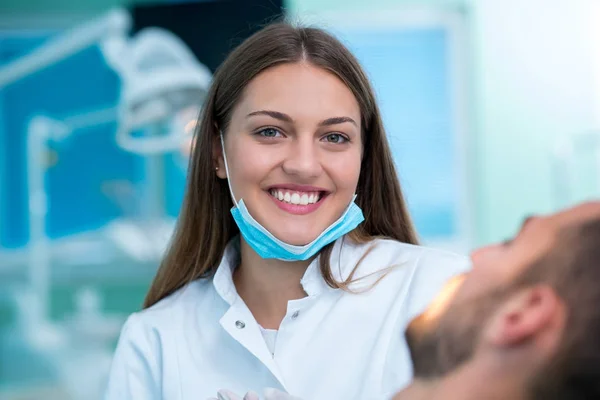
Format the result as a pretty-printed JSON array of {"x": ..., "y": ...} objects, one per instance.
[
  {"x": 486, "y": 255},
  {"x": 248, "y": 166},
  {"x": 344, "y": 170},
  {"x": 479, "y": 282}
]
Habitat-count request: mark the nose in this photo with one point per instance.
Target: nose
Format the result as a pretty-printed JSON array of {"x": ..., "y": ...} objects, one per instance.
[
  {"x": 479, "y": 256},
  {"x": 302, "y": 159}
]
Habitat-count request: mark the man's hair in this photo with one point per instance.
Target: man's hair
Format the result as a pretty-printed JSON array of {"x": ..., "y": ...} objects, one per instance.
[{"x": 572, "y": 268}]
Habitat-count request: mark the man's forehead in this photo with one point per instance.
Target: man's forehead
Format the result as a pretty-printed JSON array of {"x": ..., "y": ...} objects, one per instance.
[
  {"x": 551, "y": 223},
  {"x": 580, "y": 213},
  {"x": 539, "y": 234}
]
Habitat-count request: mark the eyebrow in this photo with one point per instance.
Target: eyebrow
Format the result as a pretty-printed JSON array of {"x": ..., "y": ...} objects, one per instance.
[
  {"x": 526, "y": 222},
  {"x": 286, "y": 118},
  {"x": 274, "y": 114},
  {"x": 336, "y": 121}
]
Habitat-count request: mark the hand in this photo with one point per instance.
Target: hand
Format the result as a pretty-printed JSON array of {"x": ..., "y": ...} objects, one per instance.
[
  {"x": 274, "y": 394},
  {"x": 269, "y": 394},
  {"x": 229, "y": 395}
]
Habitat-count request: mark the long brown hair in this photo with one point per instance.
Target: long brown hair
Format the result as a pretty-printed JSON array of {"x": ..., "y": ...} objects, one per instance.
[{"x": 205, "y": 224}]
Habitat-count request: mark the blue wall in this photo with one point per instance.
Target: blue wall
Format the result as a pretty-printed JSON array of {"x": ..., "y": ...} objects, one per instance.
[
  {"x": 85, "y": 169},
  {"x": 409, "y": 69}
]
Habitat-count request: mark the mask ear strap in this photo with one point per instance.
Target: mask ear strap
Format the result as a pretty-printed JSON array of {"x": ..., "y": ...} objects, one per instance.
[{"x": 227, "y": 168}]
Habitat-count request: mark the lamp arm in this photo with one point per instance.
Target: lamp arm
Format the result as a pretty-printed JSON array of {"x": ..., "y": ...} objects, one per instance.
[{"x": 113, "y": 24}]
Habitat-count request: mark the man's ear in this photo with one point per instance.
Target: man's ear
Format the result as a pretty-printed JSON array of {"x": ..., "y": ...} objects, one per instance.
[
  {"x": 218, "y": 161},
  {"x": 527, "y": 314}
]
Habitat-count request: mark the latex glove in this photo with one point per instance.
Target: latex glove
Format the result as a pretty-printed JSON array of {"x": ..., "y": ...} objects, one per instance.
[
  {"x": 224, "y": 394},
  {"x": 269, "y": 394},
  {"x": 274, "y": 394}
]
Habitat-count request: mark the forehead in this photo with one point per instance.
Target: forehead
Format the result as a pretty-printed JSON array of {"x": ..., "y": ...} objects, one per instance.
[
  {"x": 550, "y": 226},
  {"x": 538, "y": 235},
  {"x": 301, "y": 90},
  {"x": 500, "y": 264},
  {"x": 578, "y": 214}
]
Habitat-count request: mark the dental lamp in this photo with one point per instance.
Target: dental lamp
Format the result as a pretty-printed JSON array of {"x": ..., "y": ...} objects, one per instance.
[
  {"x": 162, "y": 89},
  {"x": 160, "y": 78},
  {"x": 159, "y": 75},
  {"x": 161, "y": 85}
]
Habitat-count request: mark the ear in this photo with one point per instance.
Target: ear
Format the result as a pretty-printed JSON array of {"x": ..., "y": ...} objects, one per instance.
[
  {"x": 524, "y": 316},
  {"x": 218, "y": 161}
]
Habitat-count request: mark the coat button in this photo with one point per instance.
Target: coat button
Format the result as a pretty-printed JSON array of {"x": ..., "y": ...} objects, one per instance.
[
  {"x": 240, "y": 324},
  {"x": 295, "y": 314}
]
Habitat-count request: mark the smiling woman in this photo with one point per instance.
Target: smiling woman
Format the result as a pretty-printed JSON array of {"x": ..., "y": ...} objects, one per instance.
[
  {"x": 293, "y": 239},
  {"x": 308, "y": 146}
]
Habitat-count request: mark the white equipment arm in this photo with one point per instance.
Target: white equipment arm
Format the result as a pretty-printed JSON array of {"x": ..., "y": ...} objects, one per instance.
[{"x": 115, "y": 23}]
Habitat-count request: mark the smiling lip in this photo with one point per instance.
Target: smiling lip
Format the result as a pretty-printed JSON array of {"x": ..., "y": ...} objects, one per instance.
[
  {"x": 298, "y": 209},
  {"x": 298, "y": 188}
]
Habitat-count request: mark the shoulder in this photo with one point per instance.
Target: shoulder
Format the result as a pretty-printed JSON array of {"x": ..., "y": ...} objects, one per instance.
[
  {"x": 138, "y": 361},
  {"x": 383, "y": 253},
  {"x": 424, "y": 271},
  {"x": 145, "y": 333},
  {"x": 165, "y": 314},
  {"x": 415, "y": 273}
]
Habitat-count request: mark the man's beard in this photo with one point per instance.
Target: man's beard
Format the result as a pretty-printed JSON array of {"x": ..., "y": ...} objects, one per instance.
[{"x": 439, "y": 346}]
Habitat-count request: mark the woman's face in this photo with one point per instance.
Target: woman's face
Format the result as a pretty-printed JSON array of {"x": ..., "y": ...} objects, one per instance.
[{"x": 294, "y": 150}]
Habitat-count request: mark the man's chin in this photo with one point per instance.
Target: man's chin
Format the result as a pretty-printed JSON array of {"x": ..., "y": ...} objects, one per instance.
[
  {"x": 423, "y": 344},
  {"x": 418, "y": 389}
]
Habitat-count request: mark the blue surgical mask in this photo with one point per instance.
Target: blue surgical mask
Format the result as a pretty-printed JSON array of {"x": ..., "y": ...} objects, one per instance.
[{"x": 266, "y": 245}]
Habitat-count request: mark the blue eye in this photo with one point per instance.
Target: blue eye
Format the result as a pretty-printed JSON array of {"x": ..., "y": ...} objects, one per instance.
[
  {"x": 269, "y": 133},
  {"x": 336, "y": 138}
]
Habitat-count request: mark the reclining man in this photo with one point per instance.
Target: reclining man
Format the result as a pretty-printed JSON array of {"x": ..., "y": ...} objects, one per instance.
[{"x": 523, "y": 324}]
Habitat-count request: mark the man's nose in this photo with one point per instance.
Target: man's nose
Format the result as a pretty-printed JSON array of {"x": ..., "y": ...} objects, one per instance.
[{"x": 481, "y": 255}]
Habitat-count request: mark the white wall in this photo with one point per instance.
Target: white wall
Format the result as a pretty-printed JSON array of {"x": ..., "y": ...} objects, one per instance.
[
  {"x": 533, "y": 79},
  {"x": 534, "y": 82}
]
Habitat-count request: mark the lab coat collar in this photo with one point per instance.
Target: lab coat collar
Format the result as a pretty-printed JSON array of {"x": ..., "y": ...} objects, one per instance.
[
  {"x": 312, "y": 281},
  {"x": 238, "y": 320},
  {"x": 223, "y": 279}
]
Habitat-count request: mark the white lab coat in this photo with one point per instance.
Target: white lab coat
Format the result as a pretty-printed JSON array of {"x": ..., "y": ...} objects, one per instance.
[{"x": 331, "y": 344}]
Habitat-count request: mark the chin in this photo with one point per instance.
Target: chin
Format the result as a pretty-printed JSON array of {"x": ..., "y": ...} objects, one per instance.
[{"x": 294, "y": 237}]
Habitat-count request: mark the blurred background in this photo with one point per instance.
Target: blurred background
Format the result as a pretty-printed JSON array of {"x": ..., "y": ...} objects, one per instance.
[{"x": 492, "y": 108}]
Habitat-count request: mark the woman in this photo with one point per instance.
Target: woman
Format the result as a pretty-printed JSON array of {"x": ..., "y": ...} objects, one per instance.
[{"x": 313, "y": 296}]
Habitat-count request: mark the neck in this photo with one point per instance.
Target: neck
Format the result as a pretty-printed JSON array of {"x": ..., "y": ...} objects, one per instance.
[
  {"x": 418, "y": 390},
  {"x": 481, "y": 379},
  {"x": 267, "y": 285}
]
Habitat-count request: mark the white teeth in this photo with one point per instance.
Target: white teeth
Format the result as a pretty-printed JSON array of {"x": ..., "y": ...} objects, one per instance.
[{"x": 297, "y": 198}]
